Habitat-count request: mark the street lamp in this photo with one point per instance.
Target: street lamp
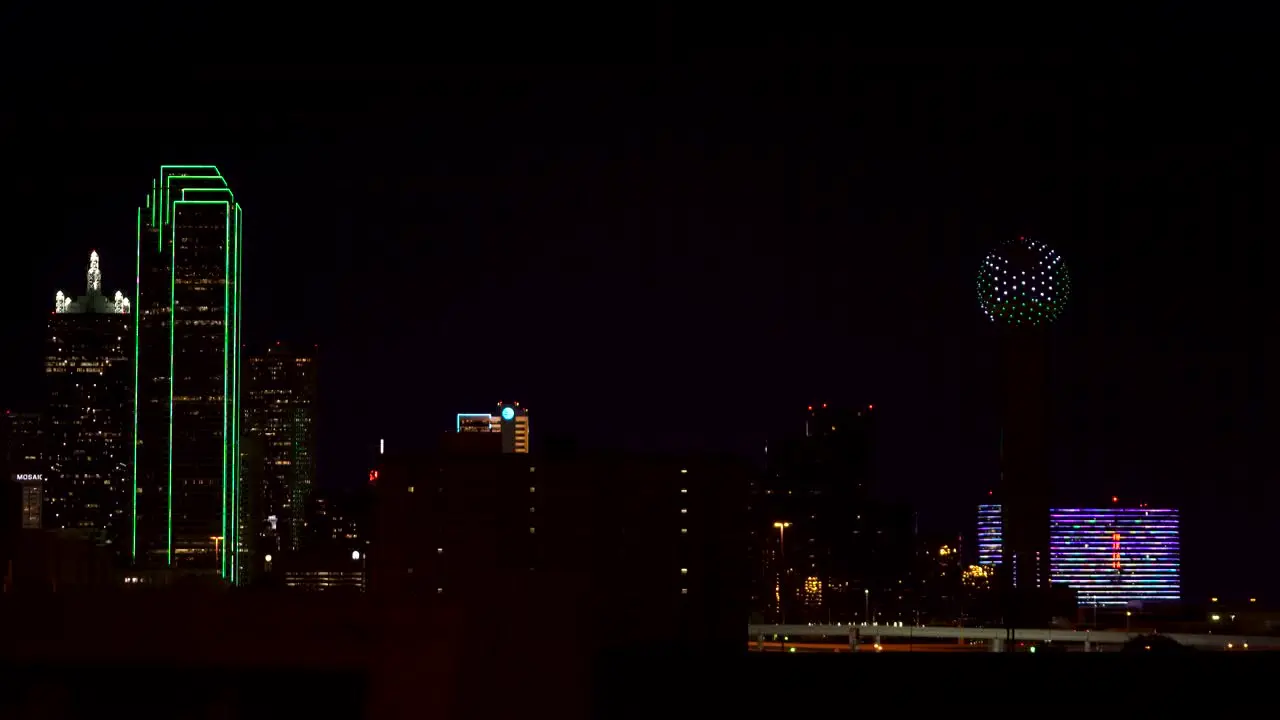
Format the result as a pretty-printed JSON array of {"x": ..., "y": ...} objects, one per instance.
[
  {"x": 782, "y": 569},
  {"x": 782, "y": 528}
]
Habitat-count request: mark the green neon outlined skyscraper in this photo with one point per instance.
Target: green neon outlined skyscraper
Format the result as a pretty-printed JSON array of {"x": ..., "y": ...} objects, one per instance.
[{"x": 187, "y": 414}]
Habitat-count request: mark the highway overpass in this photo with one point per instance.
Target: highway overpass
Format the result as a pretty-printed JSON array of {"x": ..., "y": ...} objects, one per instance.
[{"x": 996, "y": 637}]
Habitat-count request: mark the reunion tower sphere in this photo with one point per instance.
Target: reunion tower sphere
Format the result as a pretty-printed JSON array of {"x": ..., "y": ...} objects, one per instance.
[{"x": 1023, "y": 283}]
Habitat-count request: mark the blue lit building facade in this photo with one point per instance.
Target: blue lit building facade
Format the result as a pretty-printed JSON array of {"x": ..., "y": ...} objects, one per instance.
[
  {"x": 990, "y": 533},
  {"x": 1109, "y": 556}
]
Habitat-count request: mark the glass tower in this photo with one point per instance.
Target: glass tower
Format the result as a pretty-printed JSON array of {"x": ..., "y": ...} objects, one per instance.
[
  {"x": 187, "y": 376},
  {"x": 280, "y": 411}
]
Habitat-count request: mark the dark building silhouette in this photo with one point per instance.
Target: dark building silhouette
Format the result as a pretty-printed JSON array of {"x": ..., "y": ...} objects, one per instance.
[
  {"x": 23, "y": 443},
  {"x": 60, "y": 561},
  {"x": 333, "y": 548},
  {"x": 823, "y": 548},
  {"x": 188, "y": 373},
  {"x": 21, "y": 480},
  {"x": 280, "y": 404},
  {"x": 88, "y": 423},
  {"x": 1023, "y": 286},
  {"x": 254, "y": 538},
  {"x": 339, "y": 519},
  {"x": 638, "y": 552}
]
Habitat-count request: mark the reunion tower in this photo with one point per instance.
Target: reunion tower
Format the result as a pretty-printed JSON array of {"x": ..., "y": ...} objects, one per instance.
[{"x": 1023, "y": 287}]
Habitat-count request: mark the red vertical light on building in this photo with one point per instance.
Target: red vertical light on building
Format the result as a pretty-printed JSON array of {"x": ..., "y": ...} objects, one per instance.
[{"x": 373, "y": 476}]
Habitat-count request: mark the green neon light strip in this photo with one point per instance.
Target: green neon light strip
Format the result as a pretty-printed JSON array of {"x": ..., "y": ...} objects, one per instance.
[
  {"x": 226, "y": 317},
  {"x": 137, "y": 317},
  {"x": 173, "y": 277},
  {"x": 205, "y": 189},
  {"x": 238, "y": 376},
  {"x": 235, "y": 405},
  {"x": 166, "y": 178}
]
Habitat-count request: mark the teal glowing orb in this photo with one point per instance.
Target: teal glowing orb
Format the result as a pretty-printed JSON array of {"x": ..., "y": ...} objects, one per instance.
[{"x": 508, "y": 413}]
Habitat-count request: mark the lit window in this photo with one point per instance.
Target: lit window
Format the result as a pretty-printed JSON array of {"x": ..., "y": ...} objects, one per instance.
[
  {"x": 684, "y": 511},
  {"x": 532, "y": 488},
  {"x": 684, "y": 490},
  {"x": 439, "y": 591},
  {"x": 532, "y": 530},
  {"x": 684, "y": 571},
  {"x": 684, "y": 591},
  {"x": 410, "y": 488},
  {"x": 684, "y": 531},
  {"x": 439, "y": 551}
]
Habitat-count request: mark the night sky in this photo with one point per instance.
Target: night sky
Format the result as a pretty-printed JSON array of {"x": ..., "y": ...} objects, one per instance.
[{"x": 683, "y": 256}]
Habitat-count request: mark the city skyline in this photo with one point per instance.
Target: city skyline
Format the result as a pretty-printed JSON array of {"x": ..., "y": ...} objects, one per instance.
[{"x": 712, "y": 277}]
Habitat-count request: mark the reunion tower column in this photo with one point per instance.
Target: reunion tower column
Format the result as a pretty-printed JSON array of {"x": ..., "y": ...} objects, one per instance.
[{"x": 1022, "y": 287}]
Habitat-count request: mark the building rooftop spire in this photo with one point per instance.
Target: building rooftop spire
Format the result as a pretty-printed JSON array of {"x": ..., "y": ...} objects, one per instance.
[{"x": 95, "y": 274}]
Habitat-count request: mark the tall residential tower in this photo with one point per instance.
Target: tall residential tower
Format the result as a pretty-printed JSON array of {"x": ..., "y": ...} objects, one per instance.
[
  {"x": 187, "y": 421},
  {"x": 89, "y": 419}
]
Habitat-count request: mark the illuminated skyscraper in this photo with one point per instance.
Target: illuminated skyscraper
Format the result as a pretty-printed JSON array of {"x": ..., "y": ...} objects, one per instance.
[
  {"x": 990, "y": 532},
  {"x": 511, "y": 420},
  {"x": 187, "y": 375},
  {"x": 1109, "y": 556},
  {"x": 1115, "y": 555},
  {"x": 89, "y": 419},
  {"x": 280, "y": 409}
]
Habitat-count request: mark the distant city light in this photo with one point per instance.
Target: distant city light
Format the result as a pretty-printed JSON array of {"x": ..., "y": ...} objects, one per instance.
[{"x": 355, "y": 554}]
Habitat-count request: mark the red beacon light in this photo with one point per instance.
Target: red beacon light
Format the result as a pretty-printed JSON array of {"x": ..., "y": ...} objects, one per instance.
[{"x": 1115, "y": 499}]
